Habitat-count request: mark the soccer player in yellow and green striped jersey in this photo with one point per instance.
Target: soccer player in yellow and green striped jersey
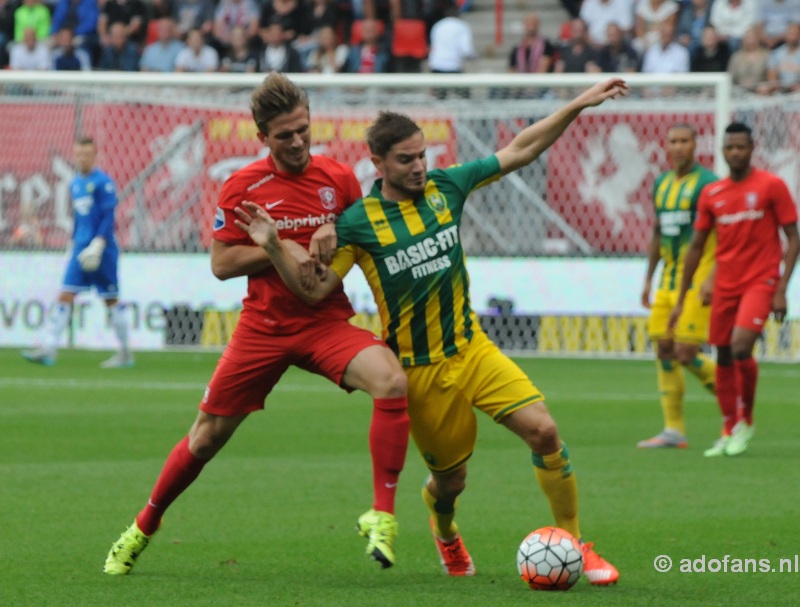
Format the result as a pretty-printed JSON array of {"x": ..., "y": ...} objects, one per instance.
[
  {"x": 675, "y": 196},
  {"x": 405, "y": 237}
]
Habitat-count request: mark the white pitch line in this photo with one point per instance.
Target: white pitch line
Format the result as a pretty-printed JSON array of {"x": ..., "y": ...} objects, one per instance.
[{"x": 123, "y": 385}]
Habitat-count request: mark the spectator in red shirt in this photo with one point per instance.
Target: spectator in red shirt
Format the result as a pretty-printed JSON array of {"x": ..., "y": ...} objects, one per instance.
[{"x": 748, "y": 210}]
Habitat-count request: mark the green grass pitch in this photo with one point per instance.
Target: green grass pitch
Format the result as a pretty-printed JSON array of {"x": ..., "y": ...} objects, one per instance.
[{"x": 270, "y": 521}]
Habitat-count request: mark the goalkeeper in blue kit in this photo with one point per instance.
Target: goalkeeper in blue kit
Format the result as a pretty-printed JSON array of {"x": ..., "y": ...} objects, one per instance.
[{"x": 93, "y": 259}]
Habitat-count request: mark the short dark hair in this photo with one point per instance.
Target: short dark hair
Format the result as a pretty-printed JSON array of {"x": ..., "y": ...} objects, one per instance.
[
  {"x": 275, "y": 96},
  {"x": 685, "y": 126},
  {"x": 84, "y": 140},
  {"x": 388, "y": 129},
  {"x": 739, "y": 127}
]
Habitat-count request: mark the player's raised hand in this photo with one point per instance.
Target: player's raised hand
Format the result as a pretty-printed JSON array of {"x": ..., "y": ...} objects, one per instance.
[
  {"x": 610, "y": 89},
  {"x": 323, "y": 243},
  {"x": 779, "y": 306},
  {"x": 257, "y": 223}
]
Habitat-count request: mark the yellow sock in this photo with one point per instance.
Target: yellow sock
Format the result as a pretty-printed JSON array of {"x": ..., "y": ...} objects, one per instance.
[
  {"x": 557, "y": 480},
  {"x": 442, "y": 514},
  {"x": 705, "y": 369},
  {"x": 671, "y": 385}
]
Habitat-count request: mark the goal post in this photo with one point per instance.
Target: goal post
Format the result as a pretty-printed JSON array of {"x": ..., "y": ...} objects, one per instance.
[{"x": 555, "y": 249}]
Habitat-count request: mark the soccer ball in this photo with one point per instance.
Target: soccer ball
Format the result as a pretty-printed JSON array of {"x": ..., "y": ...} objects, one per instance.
[{"x": 550, "y": 559}]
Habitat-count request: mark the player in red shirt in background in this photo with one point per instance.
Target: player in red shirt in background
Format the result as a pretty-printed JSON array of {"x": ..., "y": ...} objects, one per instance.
[
  {"x": 748, "y": 209},
  {"x": 277, "y": 329}
]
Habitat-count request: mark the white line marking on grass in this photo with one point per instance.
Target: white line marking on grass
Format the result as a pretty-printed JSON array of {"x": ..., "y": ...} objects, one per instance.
[{"x": 105, "y": 384}]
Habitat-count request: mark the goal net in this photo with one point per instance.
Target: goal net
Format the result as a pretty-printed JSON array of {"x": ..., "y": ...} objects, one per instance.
[{"x": 555, "y": 249}]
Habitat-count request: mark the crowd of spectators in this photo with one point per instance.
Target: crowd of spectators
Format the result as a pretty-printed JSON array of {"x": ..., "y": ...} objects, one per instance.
[
  {"x": 218, "y": 35},
  {"x": 757, "y": 41}
]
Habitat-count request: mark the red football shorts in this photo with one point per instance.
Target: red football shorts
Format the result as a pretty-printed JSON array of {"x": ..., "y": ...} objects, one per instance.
[
  {"x": 252, "y": 363},
  {"x": 750, "y": 310}
]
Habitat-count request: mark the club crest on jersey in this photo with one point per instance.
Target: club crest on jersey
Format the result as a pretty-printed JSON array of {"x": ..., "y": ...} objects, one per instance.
[
  {"x": 751, "y": 200},
  {"x": 327, "y": 196},
  {"x": 219, "y": 219},
  {"x": 437, "y": 202}
]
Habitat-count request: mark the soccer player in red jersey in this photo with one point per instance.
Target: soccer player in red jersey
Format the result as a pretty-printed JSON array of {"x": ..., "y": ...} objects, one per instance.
[
  {"x": 277, "y": 329},
  {"x": 748, "y": 209}
]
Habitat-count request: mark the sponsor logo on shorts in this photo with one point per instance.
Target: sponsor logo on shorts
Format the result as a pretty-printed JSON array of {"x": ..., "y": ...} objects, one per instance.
[{"x": 758, "y": 321}]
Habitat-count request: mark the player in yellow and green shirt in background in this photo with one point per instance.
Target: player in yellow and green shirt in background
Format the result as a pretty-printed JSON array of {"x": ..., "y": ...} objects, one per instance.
[{"x": 675, "y": 196}]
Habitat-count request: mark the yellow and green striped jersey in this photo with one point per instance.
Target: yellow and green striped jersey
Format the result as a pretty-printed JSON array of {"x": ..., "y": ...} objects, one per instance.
[
  {"x": 675, "y": 201},
  {"x": 410, "y": 252}
]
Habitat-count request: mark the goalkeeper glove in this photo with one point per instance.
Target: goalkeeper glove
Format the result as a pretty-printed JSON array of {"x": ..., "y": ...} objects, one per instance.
[{"x": 91, "y": 256}]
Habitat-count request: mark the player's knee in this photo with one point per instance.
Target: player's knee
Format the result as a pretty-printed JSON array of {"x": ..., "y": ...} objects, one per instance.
[
  {"x": 390, "y": 382},
  {"x": 665, "y": 350},
  {"x": 449, "y": 486},
  {"x": 209, "y": 434},
  {"x": 542, "y": 437},
  {"x": 204, "y": 446},
  {"x": 397, "y": 382},
  {"x": 686, "y": 356}
]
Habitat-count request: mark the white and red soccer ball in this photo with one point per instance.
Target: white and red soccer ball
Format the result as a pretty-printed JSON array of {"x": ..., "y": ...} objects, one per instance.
[{"x": 550, "y": 558}]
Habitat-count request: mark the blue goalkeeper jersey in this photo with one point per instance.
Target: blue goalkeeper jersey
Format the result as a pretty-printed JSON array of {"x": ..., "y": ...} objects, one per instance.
[{"x": 94, "y": 200}]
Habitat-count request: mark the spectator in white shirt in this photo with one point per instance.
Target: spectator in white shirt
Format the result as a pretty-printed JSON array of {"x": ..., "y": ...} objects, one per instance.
[
  {"x": 649, "y": 16},
  {"x": 732, "y": 19},
  {"x": 667, "y": 56},
  {"x": 196, "y": 56},
  {"x": 451, "y": 44},
  {"x": 597, "y": 14},
  {"x": 30, "y": 54}
]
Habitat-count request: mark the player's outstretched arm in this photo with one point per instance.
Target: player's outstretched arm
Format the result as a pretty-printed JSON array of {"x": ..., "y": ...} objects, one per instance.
[
  {"x": 531, "y": 141},
  {"x": 262, "y": 230}
]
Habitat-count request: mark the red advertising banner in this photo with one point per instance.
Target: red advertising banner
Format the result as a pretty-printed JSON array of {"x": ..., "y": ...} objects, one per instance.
[{"x": 169, "y": 163}]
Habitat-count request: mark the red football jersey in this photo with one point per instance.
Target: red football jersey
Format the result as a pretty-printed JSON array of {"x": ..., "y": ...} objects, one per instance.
[
  {"x": 299, "y": 204},
  {"x": 747, "y": 215}
]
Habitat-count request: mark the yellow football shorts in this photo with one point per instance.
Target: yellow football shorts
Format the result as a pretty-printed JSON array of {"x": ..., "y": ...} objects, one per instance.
[
  {"x": 442, "y": 399},
  {"x": 692, "y": 327}
]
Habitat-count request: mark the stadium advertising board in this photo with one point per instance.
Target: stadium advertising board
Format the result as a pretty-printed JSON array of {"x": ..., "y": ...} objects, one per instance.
[{"x": 153, "y": 284}]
